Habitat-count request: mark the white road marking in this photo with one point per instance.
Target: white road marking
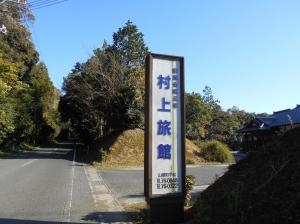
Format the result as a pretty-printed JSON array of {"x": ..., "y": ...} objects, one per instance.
[
  {"x": 72, "y": 186},
  {"x": 200, "y": 188},
  {"x": 28, "y": 163},
  {"x": 209, "y": 165}
]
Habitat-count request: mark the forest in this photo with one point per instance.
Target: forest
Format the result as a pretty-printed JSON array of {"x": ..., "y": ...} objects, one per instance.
[
  {"x": 102, "y": 95},
  {"x": 28, "y": 99},
  {"x": 106, "y": 93}
]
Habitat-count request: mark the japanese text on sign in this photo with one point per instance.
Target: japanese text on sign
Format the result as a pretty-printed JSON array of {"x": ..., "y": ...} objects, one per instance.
[{"x": 166, "y": 126}]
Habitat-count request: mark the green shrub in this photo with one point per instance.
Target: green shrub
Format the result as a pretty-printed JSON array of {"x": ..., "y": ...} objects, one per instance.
[
  {"x": 25, "y": 147},
  {"x": 190, "y": 181},
  {"x": 102, "y": 154},
  {"x": 190, "y": 162},
  {"x": 217, "y": 152}
]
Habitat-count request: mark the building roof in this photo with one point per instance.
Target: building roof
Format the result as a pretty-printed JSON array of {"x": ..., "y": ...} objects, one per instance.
[{"x": 277, "y": 119}]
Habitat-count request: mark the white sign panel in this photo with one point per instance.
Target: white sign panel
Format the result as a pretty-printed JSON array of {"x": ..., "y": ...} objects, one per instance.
[{"x": 166, "y": 127}]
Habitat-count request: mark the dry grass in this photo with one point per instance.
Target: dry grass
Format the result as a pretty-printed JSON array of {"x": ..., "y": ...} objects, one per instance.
[
  {"x": 192, "y": 153},
  {"x": 137, "y": 212},
  {"x": 127, "y": 150}
]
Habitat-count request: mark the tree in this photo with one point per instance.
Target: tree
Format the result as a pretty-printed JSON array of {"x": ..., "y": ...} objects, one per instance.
[
  {"x": 16, "y": 122},
  {"x": 198, "y": 116},
  {"x": 91, "y": 94},
  {"x": 28, "y": 97},
  {"x": 44, "y": 104},
  {"x": 240, "y": 116},
  {"x": 16, "y": 45},
  {"x": 8, "y": 83},
  {"x": 209, "y": 98},
  {"x": 106, "y": 93},
  {"x": 224, "y": 126},
  {"x": 129, "y": 42}
]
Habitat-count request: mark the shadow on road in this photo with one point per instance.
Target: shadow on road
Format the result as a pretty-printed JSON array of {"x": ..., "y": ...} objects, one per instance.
[
  {"x": 23, "y": 221},
  {"x": 140, "y": 195},
  {"x": 62, "y": 150},
  {"x": 61, "y": 145},
  {"x": 110, "y": 217},
  {"x": 102, "y": 217}
]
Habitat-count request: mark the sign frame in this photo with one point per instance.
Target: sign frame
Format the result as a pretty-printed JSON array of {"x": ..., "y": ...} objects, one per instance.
[{"x": 179, "y": 196}]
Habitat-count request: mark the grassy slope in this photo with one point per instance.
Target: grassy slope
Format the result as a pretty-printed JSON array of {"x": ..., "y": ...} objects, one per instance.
[
  {"x": 263, "y": 188},
  {"x": 127, "y": 150}
]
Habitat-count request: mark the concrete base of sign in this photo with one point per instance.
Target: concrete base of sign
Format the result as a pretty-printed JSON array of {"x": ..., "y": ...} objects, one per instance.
[{"x": 166, "y": 210}]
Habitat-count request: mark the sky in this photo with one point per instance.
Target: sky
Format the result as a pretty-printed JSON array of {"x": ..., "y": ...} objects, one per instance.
[{"x": 248, "y": 52}]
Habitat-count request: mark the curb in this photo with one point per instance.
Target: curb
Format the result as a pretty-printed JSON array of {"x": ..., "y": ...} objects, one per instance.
[{"x": 109, "y": 208}]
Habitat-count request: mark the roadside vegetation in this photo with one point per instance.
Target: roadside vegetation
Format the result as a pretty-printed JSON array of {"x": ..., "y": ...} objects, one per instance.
[
  {"x": 102, "y": 106},
  {"x": 28, "y": 99},
  {"x": 216, "y": 151},
  {"x": 104, "y": 96},
  {"x": 101, "y": 96},
  {"x": 263, "y": 188},
  {"x": 126, "y": 149},
  {"x": 138, "y": 211}
]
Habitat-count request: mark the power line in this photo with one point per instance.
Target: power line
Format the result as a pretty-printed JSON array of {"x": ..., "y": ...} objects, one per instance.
[
  {"x": 35, "y": 1},
  {"x": 47, "y": 5},
  {"x": 42, "y": 2},
  {"x": 33, "y": 5}
]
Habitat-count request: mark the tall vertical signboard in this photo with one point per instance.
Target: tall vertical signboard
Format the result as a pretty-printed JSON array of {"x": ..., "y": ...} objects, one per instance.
[{"x": 165, "y": 138}]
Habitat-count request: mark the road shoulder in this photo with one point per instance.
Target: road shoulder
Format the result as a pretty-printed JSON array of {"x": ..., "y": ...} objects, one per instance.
[{"x": 109, "y": 208}]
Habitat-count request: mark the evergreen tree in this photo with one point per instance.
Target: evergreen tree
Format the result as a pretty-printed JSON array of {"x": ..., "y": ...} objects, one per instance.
[{"x": 129, "y": 42}]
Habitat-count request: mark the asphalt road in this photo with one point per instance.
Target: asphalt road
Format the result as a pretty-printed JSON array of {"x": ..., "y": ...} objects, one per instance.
[
  {"x": 45, "y": 186},
  {"x": 128, "y": 184}
]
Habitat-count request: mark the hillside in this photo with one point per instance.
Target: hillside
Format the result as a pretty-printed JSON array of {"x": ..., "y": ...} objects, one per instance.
[
  {"x": 126, "y": 149},
  {"x": 263, "y": 188}
]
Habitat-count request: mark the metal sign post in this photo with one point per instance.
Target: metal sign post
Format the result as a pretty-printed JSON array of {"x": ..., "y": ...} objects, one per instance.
[{"x": 165, "y": 138}]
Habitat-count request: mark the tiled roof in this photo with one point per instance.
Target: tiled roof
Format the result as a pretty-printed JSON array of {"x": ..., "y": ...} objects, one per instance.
[{"x": 277, "y": 119}]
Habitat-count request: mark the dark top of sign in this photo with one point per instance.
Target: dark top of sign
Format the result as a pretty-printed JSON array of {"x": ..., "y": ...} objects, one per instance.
[{"x": 166, "y": 57}]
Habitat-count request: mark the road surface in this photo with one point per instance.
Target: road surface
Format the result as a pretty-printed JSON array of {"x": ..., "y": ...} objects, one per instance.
[
  {"x": 44, "y": 186},
  {"x": 128, "y": 184},
  {"x": 49, "y": 186}
]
